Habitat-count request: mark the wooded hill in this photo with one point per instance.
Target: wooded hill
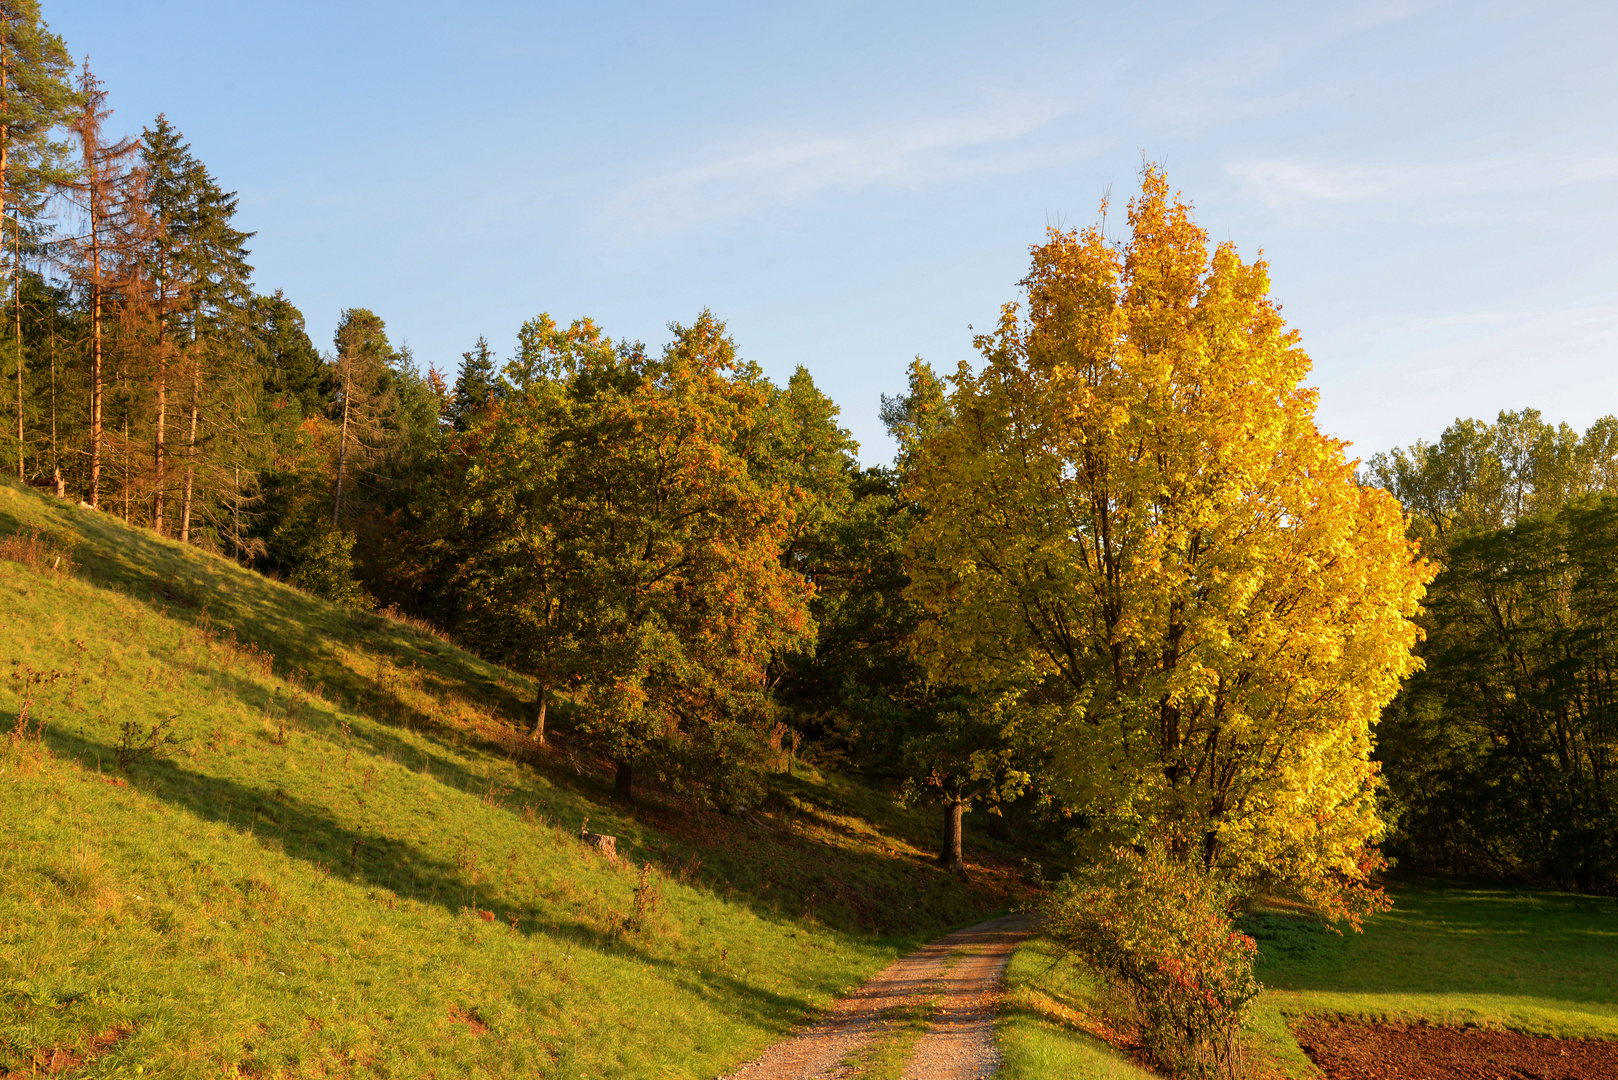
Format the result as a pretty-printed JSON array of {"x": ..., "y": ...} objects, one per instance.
[{"x": 245, "y": 830}]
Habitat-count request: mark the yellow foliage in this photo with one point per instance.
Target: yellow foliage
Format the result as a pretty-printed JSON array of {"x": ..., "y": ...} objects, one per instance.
[{"x": 1138, "y": 540}]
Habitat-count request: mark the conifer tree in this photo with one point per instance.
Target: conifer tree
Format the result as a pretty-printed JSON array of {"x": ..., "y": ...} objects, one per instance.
[
  {"x": 218, "y": 289},
  {"x": 168, "y": 197},
  {"x": 475, "y": 385},
  {"x": 36, "y": 96},
  {"x": 294, "y": 376},
  {"x": 100, "y": 192},
  {"x": 362, "y": 362}
]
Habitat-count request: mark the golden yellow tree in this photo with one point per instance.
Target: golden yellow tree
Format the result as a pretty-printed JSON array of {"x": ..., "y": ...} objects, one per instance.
[{"x": 1139, "y": 542}]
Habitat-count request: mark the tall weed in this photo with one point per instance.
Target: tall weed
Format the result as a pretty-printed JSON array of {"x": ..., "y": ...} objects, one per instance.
[{"x": 39, "y": 552}]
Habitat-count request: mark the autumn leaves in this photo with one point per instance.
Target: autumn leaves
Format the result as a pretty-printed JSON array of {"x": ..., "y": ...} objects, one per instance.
[
  {"x": 1141, "y": 582},
  {"x": 1142, "y": 549}
]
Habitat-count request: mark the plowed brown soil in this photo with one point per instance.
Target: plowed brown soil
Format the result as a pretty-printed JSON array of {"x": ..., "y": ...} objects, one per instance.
[{"x": 1421, "y": 1052}]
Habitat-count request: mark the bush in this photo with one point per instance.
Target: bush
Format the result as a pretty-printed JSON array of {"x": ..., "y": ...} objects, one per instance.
[
  {"x": 326, "y": 570},
  {"x": 1160, "y": 931}
]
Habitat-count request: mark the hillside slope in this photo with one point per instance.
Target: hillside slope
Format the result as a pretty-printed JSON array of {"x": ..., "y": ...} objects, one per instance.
[{"x": 338, "y": 855}]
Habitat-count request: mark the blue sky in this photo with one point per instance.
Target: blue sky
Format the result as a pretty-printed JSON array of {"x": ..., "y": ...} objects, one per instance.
[{"x": 850, "y": 185}]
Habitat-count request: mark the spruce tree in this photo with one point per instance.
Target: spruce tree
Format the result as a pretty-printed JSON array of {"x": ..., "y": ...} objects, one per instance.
[
  {"x": 294, "y": 377},
  {"x": 100, "y": 191},
  {"x": 167, "y": 165},
  {"x": 216, "y": 317},
  {"x": 475, "y": 386},
  {"x": 36, "y": 96},
  {"x": 363, "y": 364}
]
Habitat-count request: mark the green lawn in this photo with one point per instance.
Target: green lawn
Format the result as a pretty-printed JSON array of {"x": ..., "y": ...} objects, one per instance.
[
  {"x": 1450, "y": 952},
  {"x": 349, "y": 860},
  {"x": 1454, "y": 952}
]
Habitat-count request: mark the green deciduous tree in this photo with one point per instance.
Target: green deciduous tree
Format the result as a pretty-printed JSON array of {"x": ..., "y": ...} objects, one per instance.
[
  {"x": 1503, "y": 753},
  {"x": 681, "y": 543},
  {"x": 503, "y": 530},
  {"x": 1480, "y": 475},
  {"x": 610, "y": 510},
  {"x": 1497, "y": 754}
]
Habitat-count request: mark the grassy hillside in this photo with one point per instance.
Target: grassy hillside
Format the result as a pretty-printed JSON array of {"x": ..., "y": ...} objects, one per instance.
[{"x": 243, "y": 832}]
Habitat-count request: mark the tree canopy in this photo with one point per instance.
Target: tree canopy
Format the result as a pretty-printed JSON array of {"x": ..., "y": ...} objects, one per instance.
[
  {"x": 1139, "y": 543},
  {"x": 1115, "y": 580}
]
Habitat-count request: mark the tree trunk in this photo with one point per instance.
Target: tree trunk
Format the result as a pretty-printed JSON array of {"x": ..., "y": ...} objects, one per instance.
[
  {"x": 951, "y": 855},
  {"x": 159, "y": 447},
  {"x": 539, "y": 715},
  {"x": 191, "y": 454},
  {"x": 621, "y": 785},
  {"x": 16, "y": 283},
  {"x": 56, "y": 455},
  {"x": 123, "y": 392},
  {"x": 95, "y": 362},
  {"x": 342, "y": 446}
]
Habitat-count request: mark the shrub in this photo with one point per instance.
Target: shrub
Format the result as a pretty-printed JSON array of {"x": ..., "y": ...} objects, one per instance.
[
  {"x": 1160, "y": 931},
  {"x": 326, "y": 569}
]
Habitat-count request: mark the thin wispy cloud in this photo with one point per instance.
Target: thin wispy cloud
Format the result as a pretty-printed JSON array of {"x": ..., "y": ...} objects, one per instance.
[
  {"x": 771, "y": 171},
  {"x": 1288, "y": 182},
  {"x": 1267, "y": 73}
]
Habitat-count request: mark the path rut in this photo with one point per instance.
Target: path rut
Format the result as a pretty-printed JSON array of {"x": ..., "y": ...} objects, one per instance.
[{"x": 960, "y": 1043}]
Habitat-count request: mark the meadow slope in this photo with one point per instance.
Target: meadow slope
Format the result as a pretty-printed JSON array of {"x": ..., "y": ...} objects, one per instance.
[{"x": 243, "y": 832}]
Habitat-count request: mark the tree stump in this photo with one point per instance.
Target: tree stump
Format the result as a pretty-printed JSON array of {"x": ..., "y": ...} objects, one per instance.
[{"x": 607, "y": 845}]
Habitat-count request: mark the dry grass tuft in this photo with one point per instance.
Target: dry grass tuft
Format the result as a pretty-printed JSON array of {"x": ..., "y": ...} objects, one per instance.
[
  {"x": 39, "y": 552},
  {"x": 82, "y": 875}
]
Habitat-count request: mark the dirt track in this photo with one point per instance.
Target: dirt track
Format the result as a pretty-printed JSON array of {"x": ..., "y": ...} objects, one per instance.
[{"x": 960, "y": 1043}]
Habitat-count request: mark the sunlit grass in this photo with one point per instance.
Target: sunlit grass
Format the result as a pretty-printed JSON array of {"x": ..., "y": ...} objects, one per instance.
[
  {"x": 1450, "y": 952},
  {"x": 1048, "y": 1018},
  {"x": 349, "y": 860}
]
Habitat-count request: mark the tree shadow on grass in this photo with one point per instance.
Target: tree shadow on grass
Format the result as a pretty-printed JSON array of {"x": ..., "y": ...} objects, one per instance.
[
  {"x": 782, "y": 876},
  {"x": 193, "y": 586},
  {"x": 300, "y": 830},
  {"x": 1452, "y": 937}
]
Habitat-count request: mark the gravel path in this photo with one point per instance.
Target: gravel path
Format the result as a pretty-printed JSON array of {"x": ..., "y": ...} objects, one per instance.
[{"x": 960, "y": 1044}]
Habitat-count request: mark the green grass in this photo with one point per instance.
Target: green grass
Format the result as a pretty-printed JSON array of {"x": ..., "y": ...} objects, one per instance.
[
  {"x": 349, "y": 860},
  {"x": 1450, "y": 952},
  {"x": 1045, "y": 1025},
  {"x": 894, "y": 1037}
]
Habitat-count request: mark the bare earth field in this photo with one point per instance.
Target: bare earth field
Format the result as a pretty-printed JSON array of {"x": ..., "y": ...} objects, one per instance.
[{"x": 1346, "y": 1051}]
